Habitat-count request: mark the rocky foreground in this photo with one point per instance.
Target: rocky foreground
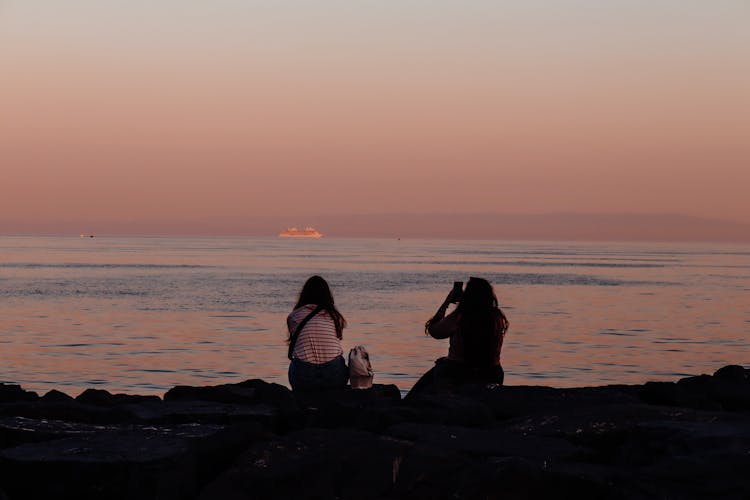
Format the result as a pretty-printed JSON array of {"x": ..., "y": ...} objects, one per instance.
[{"x": 689, "y": 439}]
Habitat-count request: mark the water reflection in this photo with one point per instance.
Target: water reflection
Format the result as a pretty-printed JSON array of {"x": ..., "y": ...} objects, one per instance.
[{"x": 143, "y": 315}]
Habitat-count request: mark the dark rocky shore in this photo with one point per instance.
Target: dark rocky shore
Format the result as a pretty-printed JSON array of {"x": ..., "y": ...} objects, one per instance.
[{"x": 685, "y": 439}]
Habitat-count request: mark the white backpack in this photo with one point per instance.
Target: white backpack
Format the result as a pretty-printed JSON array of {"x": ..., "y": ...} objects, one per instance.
[{"x": 360, "y": 369}]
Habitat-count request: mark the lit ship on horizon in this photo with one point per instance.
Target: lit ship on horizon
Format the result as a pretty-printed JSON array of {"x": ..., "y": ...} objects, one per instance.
[{"x": 293, "y": 232}]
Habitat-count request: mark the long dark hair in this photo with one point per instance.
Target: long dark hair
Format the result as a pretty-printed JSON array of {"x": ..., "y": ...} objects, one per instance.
[
  {"x": 481, "y": 323},
  {"x": 316, "y": 291}
]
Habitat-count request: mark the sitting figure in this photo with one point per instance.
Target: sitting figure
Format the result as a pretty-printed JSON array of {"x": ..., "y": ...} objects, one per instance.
[
  {"x": 476, "y": 329},
  {"x": 315, "y": 332}
]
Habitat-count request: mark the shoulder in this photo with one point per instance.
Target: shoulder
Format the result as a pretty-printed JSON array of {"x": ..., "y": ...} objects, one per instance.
[
  {"x": 306, "y": 308},
  {"x": 446, "y": 327},
  {"x": 299, "y": 313}
]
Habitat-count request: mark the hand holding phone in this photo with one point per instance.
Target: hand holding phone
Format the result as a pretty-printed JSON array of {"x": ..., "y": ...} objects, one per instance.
[{"x": 456, "y": 292}]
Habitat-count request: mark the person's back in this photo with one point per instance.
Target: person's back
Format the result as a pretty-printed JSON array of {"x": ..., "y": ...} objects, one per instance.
[
  {"x": 315, "y": 333},
  {"x": 317, "y": 342}
]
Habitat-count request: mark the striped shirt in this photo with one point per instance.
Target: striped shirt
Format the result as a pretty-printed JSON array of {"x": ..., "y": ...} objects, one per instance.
[{"x": 317, "y": 342}]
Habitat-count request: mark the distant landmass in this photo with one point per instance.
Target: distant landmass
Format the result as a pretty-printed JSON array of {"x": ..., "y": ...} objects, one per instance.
[
  {"x": 557, "y": 226},
  {"x": 561, "y": 226}
]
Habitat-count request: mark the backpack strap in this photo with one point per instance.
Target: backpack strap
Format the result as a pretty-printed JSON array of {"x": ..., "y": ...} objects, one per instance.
[{"x": 298, "y": 330}]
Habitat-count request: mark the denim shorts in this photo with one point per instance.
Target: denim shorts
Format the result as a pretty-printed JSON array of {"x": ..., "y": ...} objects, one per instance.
[{"x": 304, "y": 376}]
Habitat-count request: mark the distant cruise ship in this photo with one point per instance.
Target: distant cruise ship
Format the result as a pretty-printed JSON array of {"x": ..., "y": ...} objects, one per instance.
[{"x": 293, "y": 232}]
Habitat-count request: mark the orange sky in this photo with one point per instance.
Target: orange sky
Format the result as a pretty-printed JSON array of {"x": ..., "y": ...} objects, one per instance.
[{"x": 130, "y": 111}]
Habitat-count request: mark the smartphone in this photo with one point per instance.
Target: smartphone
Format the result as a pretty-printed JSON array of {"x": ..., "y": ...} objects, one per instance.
[{"x": 458, "y": 290}]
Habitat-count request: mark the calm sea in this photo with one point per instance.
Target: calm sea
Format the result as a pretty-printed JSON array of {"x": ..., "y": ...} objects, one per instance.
[{"x": 140, "y": 315}]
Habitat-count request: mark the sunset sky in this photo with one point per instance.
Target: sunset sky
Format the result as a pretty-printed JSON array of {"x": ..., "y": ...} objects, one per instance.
[{"x": 169, "y": 110}]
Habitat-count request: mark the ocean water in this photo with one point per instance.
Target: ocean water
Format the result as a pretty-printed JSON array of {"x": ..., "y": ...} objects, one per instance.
[{"x": 140, "y": 315}]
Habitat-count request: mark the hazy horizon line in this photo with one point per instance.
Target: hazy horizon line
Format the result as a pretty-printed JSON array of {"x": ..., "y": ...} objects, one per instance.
[{"x": 550, "y": 226}]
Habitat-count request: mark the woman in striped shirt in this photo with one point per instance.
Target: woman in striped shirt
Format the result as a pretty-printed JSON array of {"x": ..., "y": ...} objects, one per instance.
[{"x": 317, "y": 360}]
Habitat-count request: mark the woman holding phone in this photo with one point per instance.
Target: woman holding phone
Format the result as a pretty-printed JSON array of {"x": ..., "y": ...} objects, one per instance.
[{"x": 476, "y": 329}]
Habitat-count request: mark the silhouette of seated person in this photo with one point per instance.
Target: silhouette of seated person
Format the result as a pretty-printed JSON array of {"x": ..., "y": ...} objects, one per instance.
[
  {"x": 476, "y": 329},
  {"x": 315, "y": 333}
]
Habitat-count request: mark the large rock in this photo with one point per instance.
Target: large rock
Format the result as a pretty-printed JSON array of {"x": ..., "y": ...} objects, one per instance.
[
  {"x": 346, "y": 407},
  {"x": 488, "y": 441},
  {"x": 727, "y": 389},
  {"x": 65, "y": 410},
  {"x": 448, "y": 408},
  {"x": 426, "y": 472},
  {"x": 253, "y": 391},
  {"x": 100, "y": 397},
  {"x": 129, "y": 462},
  {"x": 12, "y": 393},
  {"x": 686, "y": 460},
  {"x": 516, "y": 401},
  {"x": 205, "y": 412},
  {"x": 313, "y": 463},
  {"x": 112, "y": 465},
  {"x": 55, "y": 396},
  {"x": 377, "y": 393},
  {"x": 257, "y": 440},
  {"x": 671, "y": 394},
  {"x": 273, "y": 394},
  {"x": 15, "y": 431},
  {"x": 228, "y": 393},
  {"x": 434, "y": 473}
]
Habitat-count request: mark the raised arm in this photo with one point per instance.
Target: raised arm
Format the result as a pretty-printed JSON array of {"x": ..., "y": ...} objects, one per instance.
[{"x": 440, "y": 326}]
